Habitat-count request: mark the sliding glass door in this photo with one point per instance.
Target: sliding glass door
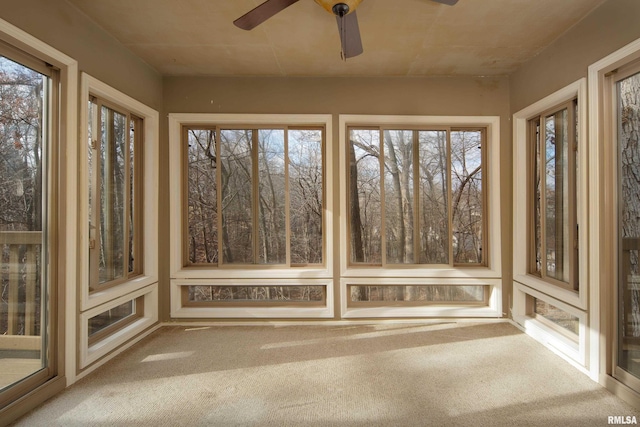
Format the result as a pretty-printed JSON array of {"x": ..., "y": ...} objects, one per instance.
[
  {"x": 26, "y": 93},
  {"x": 626, "y": 90}
]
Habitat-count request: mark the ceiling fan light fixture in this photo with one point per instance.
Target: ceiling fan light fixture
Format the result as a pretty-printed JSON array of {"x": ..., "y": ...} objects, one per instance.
[{"x": 329, "y": 5}]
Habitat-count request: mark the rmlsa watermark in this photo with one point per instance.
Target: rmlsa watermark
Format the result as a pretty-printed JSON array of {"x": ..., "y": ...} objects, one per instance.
[{"x": 622, "y": 419}]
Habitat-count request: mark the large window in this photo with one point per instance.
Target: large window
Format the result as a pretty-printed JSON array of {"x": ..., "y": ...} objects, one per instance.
[
  {"x": 550, "y": 221},
  {"x": 118, "y": 210},
  {"x": 115, "y": 199},
  {"x": 554, "y": 228},
  {"x": 251, "y": 216},
  {"x": 416, "y": 196},
  {"x": 254, "y": 196},
  {"x": 420, "y": 218}
]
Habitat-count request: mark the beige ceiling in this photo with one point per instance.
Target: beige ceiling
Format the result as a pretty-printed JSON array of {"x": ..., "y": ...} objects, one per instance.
[{"x": 400, "y": 37}]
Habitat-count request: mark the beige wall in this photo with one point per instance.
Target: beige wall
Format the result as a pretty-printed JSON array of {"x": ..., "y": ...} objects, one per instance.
[
  {"x": 391, "y": 96},
  {"x": 63, "y": 27},
  {"x": 611, "y": 26}
]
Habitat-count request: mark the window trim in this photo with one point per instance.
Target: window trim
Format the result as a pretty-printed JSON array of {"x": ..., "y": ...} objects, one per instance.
[
  {"x": 150, "y": 170},
  {"x": 177, "y": 191},
  {"x": 493, "y": 268},
  {"x": 521, "y": 195}
]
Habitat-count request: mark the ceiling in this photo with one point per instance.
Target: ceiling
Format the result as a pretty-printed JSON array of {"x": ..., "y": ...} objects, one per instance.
[{"x": 400, "y": 37}]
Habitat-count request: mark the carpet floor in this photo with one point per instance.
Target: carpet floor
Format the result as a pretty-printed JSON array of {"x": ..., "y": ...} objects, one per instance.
[{"x": 395, "y": 374}]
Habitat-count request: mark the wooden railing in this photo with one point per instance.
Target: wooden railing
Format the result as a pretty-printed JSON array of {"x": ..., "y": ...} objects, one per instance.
[
  {"x": 631, "y": 287},
  {"x": 19, "y": 273}
]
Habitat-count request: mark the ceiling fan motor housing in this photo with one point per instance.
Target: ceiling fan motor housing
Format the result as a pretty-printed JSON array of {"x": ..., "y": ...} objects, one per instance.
[{"x": 339, "y": 8}]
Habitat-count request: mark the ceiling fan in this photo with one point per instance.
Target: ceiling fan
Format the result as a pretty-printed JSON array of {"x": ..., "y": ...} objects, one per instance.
[{"x": 345, "y": 12}]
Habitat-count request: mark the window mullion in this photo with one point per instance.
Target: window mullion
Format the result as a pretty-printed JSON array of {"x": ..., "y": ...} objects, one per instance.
[
  {"x": 417, "y": 253},
  {"x": 543, "y": 197},
  {"x": 287, "y": 200},
  {"x": 127, "y": 197},
  {"x": 449, "y": 195},
  {"x": 573, "y": 203},
  {"x": 255, "y": 191},
  {"x": 383, "y": 207},
  {"x": 94, "y": 235},
  {"x": 218, "y": 140}
]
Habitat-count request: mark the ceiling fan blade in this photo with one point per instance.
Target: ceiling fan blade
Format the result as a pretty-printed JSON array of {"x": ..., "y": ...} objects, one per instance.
[
  {"x": 447, "y": 2},
  {"x": 258, "y": 15},
  {"x": 349, "y": 35}
]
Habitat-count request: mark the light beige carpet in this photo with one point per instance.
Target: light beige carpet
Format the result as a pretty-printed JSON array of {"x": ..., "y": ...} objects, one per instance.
[{"x": 466, "y": 374}]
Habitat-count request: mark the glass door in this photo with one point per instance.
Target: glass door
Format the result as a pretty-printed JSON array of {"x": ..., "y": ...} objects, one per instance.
[
  {"x": 627, "y": 128},
  {"x": 25, "y": 93}
]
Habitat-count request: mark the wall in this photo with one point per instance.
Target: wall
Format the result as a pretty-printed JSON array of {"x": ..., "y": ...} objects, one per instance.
[
  {"x": 391, "y": 96},
  {"x": 65, "y": 28},
  {"x": 608, "y": 28}
]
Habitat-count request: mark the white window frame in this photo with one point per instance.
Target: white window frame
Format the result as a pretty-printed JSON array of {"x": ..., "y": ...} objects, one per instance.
[
  {"x": 182, "y": 275},
  {"x": 149, "y": 241},
  {"x": 573, "y": 352},
  {"x": 491, "y": 274},
  {"x": 529, "y": 285},
  {"x": 522, "y": 193},
  {"x": 91, "y": 353},
  {"x": 145, "y": 284}
]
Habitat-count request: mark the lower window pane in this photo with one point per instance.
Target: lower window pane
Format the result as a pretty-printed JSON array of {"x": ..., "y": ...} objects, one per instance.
[
  {"x": 111, "y": 317},
  {"x": 426, "y": 294},
  {"x": 557, "y": 316},
  {"x": 295, "y": 293}
]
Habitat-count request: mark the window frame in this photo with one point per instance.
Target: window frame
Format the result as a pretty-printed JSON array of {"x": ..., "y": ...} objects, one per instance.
[
  {"x": 149, "y": 181},
  {"x": 489, "y": 275},
  {"x": 138, "y": 195},
  {"x": 491, "y": 190},
  {"x": 417, "y": 207},
  {"x": 522, "y": 198},
  {"x": 182, "y": 275},
  {"x": 572, "y": 141},
  {"x": 178, "y": 265},
  {"x": 527, "y": 286},
  {"x": 217, "y": 128}
]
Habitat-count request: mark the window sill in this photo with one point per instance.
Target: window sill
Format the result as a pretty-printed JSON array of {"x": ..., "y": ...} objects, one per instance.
[
  {"x": 253, "y": 272},
  {"x": 436, "y": 272},
  {"x": 576, "y": 299},
  {"x": 94, "y": 299}
]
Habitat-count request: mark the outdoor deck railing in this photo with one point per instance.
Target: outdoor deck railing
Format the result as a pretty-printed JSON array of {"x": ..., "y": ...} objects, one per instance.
[{"x": 20, "y": 281}]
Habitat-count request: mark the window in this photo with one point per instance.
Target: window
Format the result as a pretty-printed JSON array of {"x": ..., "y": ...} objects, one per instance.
[
  {"x": 114, "y": 319},
  {"x": 255, "y": 196},
  {"x": 554, "y": 228},
  {"x": 251, "y": 216},
  {"x": 421, "y": 216},
  {"x": 550, "y": 250},
  {"x": 208, "y": 295},
  {"x": 119, "y": 175},
  {"x": 556, "y": 316},
  {"x": 417, "y": 295},
  {"x": 416, "y": 196},
  {"x": 115, "y": 199}
]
